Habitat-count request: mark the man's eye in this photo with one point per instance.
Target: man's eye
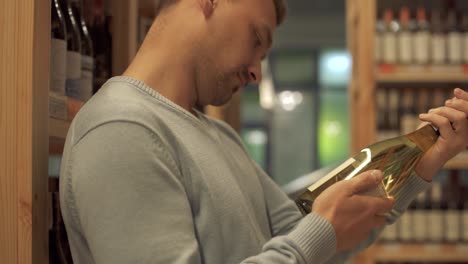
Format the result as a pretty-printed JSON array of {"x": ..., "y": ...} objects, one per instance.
[{"x": 258, "y": 42}]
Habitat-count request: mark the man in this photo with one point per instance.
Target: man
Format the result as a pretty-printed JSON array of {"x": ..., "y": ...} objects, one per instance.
[{"x": 148, "y": 179}]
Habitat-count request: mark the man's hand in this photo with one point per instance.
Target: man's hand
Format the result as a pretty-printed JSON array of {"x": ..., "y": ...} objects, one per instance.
[
  {"x": 459, "y": 102},
  {"x": 453, "y": 127},
  {"x": 353, "y": 215}
]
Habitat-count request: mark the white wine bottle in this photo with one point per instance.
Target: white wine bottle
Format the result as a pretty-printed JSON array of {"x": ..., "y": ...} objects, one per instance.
[{"x": 395, "y": 157}]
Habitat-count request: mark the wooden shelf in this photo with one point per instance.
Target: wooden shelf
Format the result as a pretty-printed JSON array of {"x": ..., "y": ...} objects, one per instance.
[
  {"x": 459, "y": 162},
  {"x": 58, "y": 128},
  {"x": 420, "y": 252},
  {"x": 409, "y": 77}
]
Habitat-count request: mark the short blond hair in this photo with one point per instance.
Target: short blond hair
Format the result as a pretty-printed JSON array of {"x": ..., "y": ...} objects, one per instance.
[{"x": 280, "y": 8}]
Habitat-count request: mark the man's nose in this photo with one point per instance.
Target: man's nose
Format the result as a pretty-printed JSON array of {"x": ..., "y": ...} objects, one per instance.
[{"x": 255, "y": 73}]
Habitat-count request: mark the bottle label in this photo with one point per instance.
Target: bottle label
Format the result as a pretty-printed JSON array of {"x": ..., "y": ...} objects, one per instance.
[
  {"x": 419, "y": 225},
  {"x": 421, "y": 47},
  {"x": 73, "y": 65},
  {"x": 390, "y": 232},
  {"x": 378, "y": 48},
  {"x": 389, "y": 48},
  {"x": 405, "y": 46},
  {"x": 439, "y": 48},
  {"x": 86, "y": 77},
  {"x": 58, "y": 106},
  {"x": 465, "y": 225},
  {"x": 454, "y": 42},
  {"x": 406, "y": 227},
  {"x": 58, "y": 65},
  {"x": 452, "y": 226},
  {"x": 436, "y": 228},
  {"x": 465, "y": 48},
  {"x": 73, "y": 83}
]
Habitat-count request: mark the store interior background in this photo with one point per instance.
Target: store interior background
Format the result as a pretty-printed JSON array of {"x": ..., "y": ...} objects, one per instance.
[
  {"x": 303, "y": 125},
  {"x": 297, "y": 121}
]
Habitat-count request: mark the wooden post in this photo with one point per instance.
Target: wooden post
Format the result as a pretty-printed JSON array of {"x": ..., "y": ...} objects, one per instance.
[
  {"x": 360, "y": 22},
  {"x": 360, "y": 38},
  {"x": 24, "y": 85}
]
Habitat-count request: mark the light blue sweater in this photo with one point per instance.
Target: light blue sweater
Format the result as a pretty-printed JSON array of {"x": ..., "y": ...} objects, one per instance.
[{"x": 144, "y": 181}]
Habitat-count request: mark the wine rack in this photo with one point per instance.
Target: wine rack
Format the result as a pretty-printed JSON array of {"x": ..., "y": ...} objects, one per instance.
[{"x": 388, "y": 94}]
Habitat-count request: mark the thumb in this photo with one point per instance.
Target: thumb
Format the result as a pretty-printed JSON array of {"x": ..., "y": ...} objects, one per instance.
[{"x": 366, "y": 181}]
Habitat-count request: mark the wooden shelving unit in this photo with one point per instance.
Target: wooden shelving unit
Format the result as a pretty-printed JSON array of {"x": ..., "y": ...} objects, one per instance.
[
  {"x": 361, "y": 16},
  {"x": 421, "y": 77},
  {"x": 417, "y": 252}
]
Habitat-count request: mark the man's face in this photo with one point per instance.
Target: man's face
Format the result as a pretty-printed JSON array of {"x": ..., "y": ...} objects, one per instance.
[{"x": 238, "y": 35}]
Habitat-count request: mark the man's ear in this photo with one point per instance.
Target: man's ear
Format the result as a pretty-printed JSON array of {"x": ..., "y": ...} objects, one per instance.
[{"x": 208, "y": 6}]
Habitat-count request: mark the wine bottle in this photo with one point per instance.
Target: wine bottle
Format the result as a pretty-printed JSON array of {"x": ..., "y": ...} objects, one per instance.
[
  {"x": 102, "y": 45},
  {"x": 422, "y": 102},
  {"x": 58, "y": 235},
  {"x": 408, "y": 112},
  {"x": 58, "y": 69},
  {"x": 405, "y": 37},
  {"x": 389, "y": 54},
  {"x": 73, "y": 51},
  {"x": 422, "y": 38},
  {"x": 436, "y": 215},
  {"x": 87, "y": 60},
  {"x": 452, "y": 219},
  {"x": 383, "y": 124},
  {"x": 420, "y": 218},
  {"x": 454, "y": 37},
  {"x": 379, "y": 31},
  {"x": 406, "y": 231},
  {"x": 438, "y": 39},
  {"x": 464, "y": 214},
  {"x": 394, "y": 117},
  {"x": 464, "y": 28},
  {"x": 395, "y": 157},
  {"x": 58, "y": 63}
]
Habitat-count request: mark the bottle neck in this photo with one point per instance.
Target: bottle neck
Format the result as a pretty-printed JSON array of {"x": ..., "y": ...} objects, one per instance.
[{"x": 424, "y": 137}]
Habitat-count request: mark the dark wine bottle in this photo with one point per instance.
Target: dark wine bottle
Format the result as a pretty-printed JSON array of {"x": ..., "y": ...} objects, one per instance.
[
  {"x": 87, "y": 60},
  {"x": 102, "y": 45},
  {"x": 452, "y": 218},
  {"x": 73, "y": 52},
  {"x": 420, "y": 218},
  {"x": 58, "y": 50},
  {"x": 436, "y": 215}
]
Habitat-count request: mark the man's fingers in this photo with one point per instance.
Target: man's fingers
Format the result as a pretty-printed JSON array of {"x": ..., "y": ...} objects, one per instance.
[
  {"x": 383, "y": 205},
  {"x": 456, "y": 117},
  {"x": 379, "y": 221},
  {"x": 366, "y": 181},
  {"x": 439, "y": 121},
  {"x": 461, "y": 94}
]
